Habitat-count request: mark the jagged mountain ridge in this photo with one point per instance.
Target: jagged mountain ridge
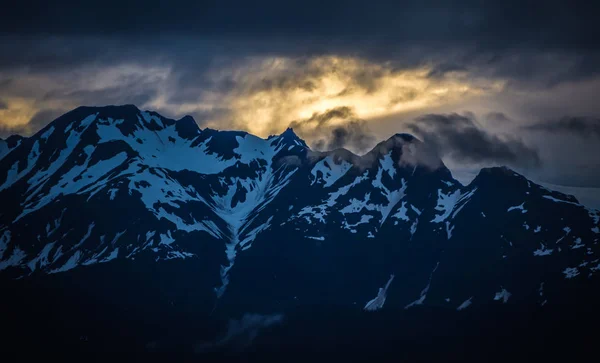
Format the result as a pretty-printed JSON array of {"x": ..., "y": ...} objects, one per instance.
[{"x": 103, "y": 185}]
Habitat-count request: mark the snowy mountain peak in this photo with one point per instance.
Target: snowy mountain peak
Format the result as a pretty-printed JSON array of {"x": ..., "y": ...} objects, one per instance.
[
  {"x": 187, "y": 127},
  {"x": 398, "y": 143},
  {"x": 407, "y": 152},
  {"x": 502, "y": 177},
  {"x": 289, "y": 132},
  {"x": 343, "y": 155},
  {"x": 404, "y": 137},
  {"x": 290, "y": 138}
]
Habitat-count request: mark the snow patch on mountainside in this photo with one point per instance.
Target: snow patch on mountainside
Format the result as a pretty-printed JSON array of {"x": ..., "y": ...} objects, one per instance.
[
  {"x": 378, "y": 302},
  {"x": 449, "y": 205},
  {"x": 39, "y": 179},
  {"x": 503, "y": 295},
  {"x": 14, "y": 260},
  {"x": 328, "y": 171},
  {"x": 364, "y": 219},
  {"x": 318, "y": 213},
  {"x": 558, "y": 200},
  {"x": 159, "y": 190},
  {"x": 392, "y": 197},
  {"x": 79, "y": 178},
  {"x": 465, "y": 304},
  {"x": 401, "y": 213},
  {"x": 571, "y": 272},
  {"x": 424, "y": 292},
  {"x": 42, "y": 258},
  {"x": 520, "y": 207},
  {"x": 13, "y": 174},
  {"x": 164, "y": 148},
  {"x": 543, "y": 251}
]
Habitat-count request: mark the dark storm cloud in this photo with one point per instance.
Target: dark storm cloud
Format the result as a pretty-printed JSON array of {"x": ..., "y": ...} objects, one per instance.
[
  {"x": 132, "y": 91},
  {"x": 503, "y": 37},
  {"x": 460, "y": 138},
  {"x": 580, "y": 126},
  {"x": 554, "y": 23},
  {"x": 536, "y": 68},
  {"x": 541, "y": 46},
  {"x": 497, "y": 118},
  {"x": 42, "y": 118},
  {"x": 351, "y": 133},
  {"x": 354, "y": 135}
]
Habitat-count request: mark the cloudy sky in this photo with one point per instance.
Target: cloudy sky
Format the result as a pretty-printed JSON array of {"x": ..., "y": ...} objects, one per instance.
[{"x": 486, "y": 82}]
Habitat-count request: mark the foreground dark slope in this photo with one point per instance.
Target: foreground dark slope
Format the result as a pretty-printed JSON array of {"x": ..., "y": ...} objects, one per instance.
[{"x": 114, "y": 218}]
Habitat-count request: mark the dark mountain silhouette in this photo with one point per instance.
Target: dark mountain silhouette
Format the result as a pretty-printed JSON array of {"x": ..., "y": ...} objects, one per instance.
[{"x": 129, "y": 212}]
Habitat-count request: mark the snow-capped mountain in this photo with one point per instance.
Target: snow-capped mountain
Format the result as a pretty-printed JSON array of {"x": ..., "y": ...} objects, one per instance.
[{"x": 252, "y": 224}]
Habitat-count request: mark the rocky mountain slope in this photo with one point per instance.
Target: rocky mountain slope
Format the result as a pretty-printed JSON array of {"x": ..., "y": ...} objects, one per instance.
[
  {"x": 100, "y": 184},
  {"x": 229, "y": 222}
]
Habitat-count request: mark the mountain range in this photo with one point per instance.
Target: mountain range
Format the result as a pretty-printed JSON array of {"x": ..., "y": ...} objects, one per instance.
[{"x": 124, "y": 206}]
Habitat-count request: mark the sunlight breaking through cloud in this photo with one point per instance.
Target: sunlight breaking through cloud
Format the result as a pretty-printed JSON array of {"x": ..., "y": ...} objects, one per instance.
[
  {"x": 265, "y": 95},
  {"x": 262, "y": 95}
]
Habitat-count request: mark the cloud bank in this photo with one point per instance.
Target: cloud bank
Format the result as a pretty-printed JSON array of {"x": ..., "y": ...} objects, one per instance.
[{"x": 461, "y": 138}]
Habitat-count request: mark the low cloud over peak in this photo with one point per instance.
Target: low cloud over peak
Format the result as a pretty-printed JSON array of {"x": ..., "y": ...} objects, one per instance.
[
  {"x": 462, "y": 139},
  {"x": 336, "y": 128}
]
